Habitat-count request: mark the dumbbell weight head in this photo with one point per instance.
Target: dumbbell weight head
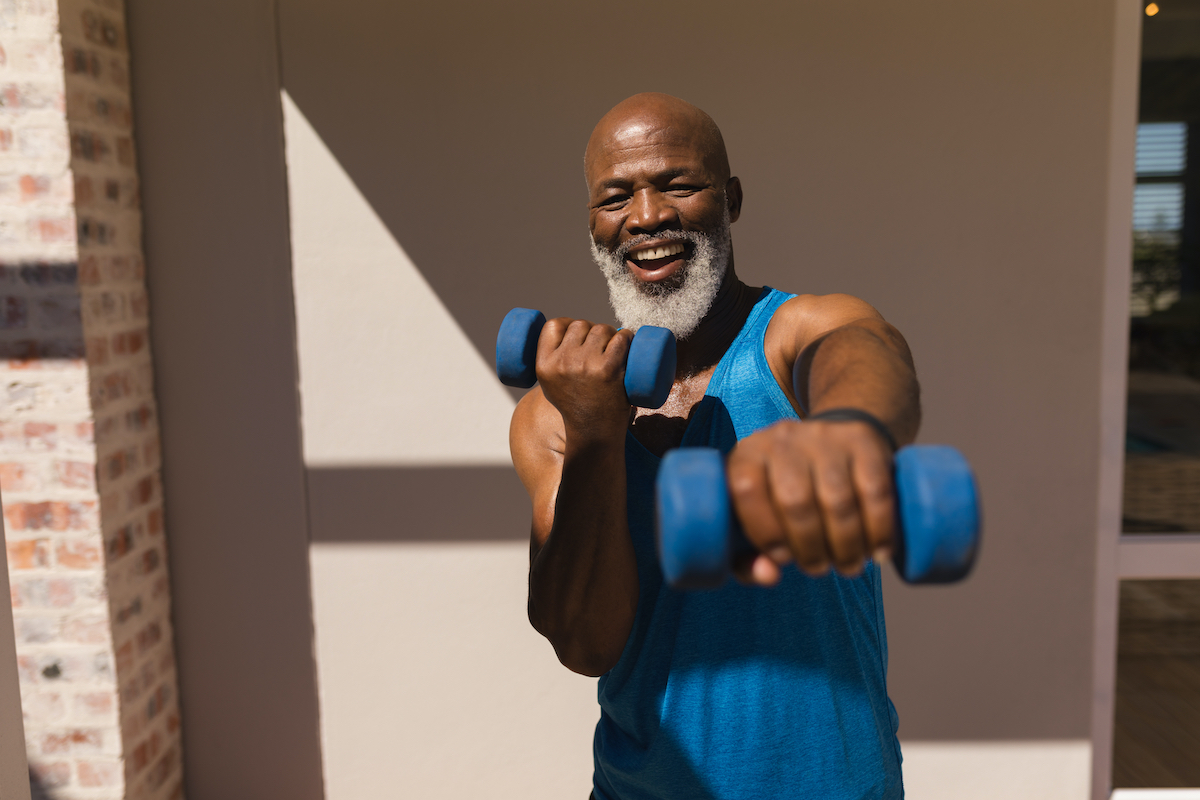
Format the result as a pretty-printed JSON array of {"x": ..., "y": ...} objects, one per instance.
[
  {"x": 937, "y": 540},
  {"x": 649, "y": 367},
  {"x": 695, "y": 519},
  {"x": 939, "y": 515},
  {"x": 516, "y": 347}
]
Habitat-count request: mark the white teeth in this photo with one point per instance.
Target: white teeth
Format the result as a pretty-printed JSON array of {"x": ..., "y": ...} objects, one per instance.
[{"x": 675, "y": 248}]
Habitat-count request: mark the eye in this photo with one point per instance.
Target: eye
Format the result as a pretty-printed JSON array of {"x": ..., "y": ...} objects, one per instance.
[
  {"x": 683, "y": 189},
  {"x": 613, "y": 201}
]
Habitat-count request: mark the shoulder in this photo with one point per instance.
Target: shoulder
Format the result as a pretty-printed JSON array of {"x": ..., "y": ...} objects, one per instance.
[
  {"x": 806, "y": 317},
  {"x": 803, "y": 320}
]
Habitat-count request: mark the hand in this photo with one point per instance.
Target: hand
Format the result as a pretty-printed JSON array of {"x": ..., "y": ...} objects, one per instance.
[
  {"x": 581, "y": 370},
  {"x": 817, "y": 493}
]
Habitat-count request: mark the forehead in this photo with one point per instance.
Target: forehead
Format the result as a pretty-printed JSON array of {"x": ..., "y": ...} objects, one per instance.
[{"x": 641, "y": 148}]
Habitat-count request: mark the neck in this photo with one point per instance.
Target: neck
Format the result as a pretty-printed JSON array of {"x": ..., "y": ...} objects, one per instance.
[{"x": 720, "y": 326}]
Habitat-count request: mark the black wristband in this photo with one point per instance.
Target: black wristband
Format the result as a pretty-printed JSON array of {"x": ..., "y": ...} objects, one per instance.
[{"x": 856, "y": 415}]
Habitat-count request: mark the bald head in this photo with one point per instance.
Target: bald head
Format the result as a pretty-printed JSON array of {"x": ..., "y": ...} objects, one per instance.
[{"x": 657, "y": 115}]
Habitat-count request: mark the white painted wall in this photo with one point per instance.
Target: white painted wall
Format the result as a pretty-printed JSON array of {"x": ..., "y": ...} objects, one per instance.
[
  {"x": 387, "y": 377},
  {"x": 432, "y": 682},
  {"x": 1004, "y": 770}
]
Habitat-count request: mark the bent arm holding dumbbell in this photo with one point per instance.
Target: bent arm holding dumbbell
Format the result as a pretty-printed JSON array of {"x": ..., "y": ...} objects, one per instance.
[
  {"x": 568, "y": 445},
  {"x": 820, "y": 493}
]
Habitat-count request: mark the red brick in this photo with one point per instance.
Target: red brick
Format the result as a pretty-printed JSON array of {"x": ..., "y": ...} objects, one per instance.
[
  {"x": 94, "y": 704},
  {"x": 6, "y": 138},
  {"x": 86, "y": 630},
  {"x": 15, "y": 478},
  {"x": 54, "y": 515},
  {"x": 84, "y": 432},
  {"x": 61, "y": 229},
  {"x": 99, "y": 773},
  {"x": 75, "y": 554},
  {"x": 97, "y": 350},
  {"x": 124, "y": 655},
  {"x": 83, "y": 190},
  {"x": 75, "y": 474},
  {"x": 55, "y": 743},
  {"x": 154, "y": 521},
  {"x": 89, "y": 271},
  {"x": 148, "y": 636},
  {"x": 40, "y": 436},
  {"x": 28, "y": 554},
  {"x": 34, "y": 186},
  {"x": 142, "y": 492}
]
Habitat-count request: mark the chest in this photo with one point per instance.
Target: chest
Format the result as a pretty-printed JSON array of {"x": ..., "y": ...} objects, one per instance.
[{"x": 660, "y": 429}]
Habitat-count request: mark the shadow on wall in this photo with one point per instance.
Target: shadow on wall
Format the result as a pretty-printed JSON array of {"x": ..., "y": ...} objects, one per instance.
[
  {"x": 417, "y": 504},
  {"x": 36, "y": 791},
  {"x": 40, "y": 316}
]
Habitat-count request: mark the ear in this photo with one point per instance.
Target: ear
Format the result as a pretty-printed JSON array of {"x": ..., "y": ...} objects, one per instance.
[{"x": 733, "y": 196}]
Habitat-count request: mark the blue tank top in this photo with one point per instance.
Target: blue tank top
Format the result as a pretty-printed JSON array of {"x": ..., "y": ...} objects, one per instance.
[{"x": 745, "y": 693}]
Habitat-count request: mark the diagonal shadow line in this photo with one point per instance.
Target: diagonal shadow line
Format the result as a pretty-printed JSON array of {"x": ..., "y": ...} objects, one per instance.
[{"x": 448, "y": 172}]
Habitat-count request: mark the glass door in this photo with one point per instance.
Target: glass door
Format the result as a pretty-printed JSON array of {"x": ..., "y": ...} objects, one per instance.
[{"x": 1156, "y": 734}]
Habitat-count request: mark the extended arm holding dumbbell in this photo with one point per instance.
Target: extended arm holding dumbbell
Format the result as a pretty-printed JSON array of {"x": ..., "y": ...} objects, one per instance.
[{"x": 820, "y": 493}]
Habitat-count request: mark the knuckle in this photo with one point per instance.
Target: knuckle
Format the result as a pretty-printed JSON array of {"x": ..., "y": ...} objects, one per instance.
[
  {"x": 742, "y": 484},
  {"x": 874, "y": 489},
  {"x": 839, "y": 504},
  {"x": 796, "y": 503}
]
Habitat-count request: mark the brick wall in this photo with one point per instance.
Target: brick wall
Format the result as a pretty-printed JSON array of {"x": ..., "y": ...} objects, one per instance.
[{"x": 79, "y": 449}]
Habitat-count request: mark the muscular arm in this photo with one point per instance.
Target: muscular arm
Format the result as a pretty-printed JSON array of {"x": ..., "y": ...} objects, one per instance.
[
  {"x": 843, "y": 353},
  {"x": 820, "y": 493},
  {"x": 569, "y": 451}
]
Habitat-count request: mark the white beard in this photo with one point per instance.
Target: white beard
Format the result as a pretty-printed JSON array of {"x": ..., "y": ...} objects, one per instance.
[{"x": 682, "y": 302}]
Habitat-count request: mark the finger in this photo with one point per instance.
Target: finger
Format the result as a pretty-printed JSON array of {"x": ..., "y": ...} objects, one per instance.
[
  {"x": 746, "y": 473},
  {"x": 552, "y": 336},
  {"x": 793, "y": 494},
  {"x": 577, "y": 332},
  {"x": 876, "y": 493},
  {"x": 618, "y": 344},
  {"x": 599, "y": 336},
  {"x": 755, "y": 569},
  {"x": 843, "y": 522}
]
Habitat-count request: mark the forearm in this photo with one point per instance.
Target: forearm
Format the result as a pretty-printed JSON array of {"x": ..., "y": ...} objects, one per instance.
[
  {"x": 583, "y": 587},
  {"x": 864, "y": 365}
]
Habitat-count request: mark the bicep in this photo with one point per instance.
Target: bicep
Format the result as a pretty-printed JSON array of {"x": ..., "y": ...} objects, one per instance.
[{"x": 536, "y": 442}]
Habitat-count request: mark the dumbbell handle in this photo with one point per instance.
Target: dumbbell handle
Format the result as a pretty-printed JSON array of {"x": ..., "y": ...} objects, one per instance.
[
  {"x": 938, "y": 517},
  {"x": 649, "y": 366}
]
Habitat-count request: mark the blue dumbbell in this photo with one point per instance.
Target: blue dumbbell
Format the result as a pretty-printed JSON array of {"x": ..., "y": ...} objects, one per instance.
[
  {"x": 939, "y": 522},
  {"x": 649, "y": 368}
]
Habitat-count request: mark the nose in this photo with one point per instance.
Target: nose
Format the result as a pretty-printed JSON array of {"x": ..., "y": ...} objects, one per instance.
[{"x": 651, "y": 211}]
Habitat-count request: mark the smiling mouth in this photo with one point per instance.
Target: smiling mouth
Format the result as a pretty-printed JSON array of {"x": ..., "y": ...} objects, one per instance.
[{"x": 653, "y": 259}]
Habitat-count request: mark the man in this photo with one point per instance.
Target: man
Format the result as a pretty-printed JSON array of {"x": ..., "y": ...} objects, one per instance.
[{"x": 774, "y": 686}]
